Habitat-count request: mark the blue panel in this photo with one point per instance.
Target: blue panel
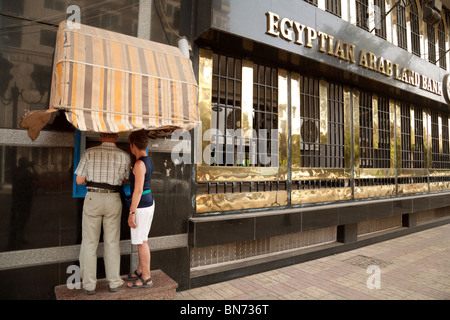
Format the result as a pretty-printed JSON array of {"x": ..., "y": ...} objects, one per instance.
[
  {"x": 79, "y": 191},
  {"x": 126, "y": 189}
]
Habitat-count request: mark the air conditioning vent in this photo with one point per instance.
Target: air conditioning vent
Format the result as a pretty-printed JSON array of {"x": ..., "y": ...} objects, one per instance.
[
  {"x": 436, "y": 5},
  {"x": 431, "y": 12}
]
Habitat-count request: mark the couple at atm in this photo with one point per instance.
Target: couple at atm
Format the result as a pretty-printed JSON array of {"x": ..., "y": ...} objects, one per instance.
[{"x": 104, "y": 169}]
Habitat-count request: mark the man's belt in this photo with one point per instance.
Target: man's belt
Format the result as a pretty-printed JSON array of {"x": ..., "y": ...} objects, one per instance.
[
  {"x": 100, "y": 190},
  {"x": 105, "y": 187}
]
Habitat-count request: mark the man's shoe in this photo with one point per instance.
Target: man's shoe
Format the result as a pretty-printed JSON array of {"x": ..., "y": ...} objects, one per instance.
[
  {"x": 116, "y": 289},
  {"x": 89, "y": 292}
]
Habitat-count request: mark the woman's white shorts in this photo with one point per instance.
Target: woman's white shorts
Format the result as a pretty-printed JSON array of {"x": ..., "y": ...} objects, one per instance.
[{"x": 144, "y": 218}]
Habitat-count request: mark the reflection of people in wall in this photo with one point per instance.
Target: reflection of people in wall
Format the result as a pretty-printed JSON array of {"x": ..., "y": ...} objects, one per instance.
[
  {"x": 22, "y": 195},
  {"x": 103, "y": 169}
]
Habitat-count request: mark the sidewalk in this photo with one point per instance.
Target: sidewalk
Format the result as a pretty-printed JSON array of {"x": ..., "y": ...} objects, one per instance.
[{"x": 412, "y": 267}]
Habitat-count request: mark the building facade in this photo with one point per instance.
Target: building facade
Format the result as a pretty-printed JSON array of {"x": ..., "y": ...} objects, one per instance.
[{"x": 325, "y": 126}]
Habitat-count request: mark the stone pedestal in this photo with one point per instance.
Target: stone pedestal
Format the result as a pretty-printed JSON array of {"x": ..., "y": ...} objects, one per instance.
[{"x": 164, "y": 288}]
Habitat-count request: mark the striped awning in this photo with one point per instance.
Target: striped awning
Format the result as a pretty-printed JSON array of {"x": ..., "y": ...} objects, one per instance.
[{"x": 110, "y": 82}]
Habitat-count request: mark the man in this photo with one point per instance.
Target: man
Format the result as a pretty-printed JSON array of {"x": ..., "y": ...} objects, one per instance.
[{"x": 103, "y": 169}]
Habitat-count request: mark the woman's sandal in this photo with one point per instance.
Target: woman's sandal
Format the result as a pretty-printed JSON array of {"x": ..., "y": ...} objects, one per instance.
[
  {"x": 131, "y": 278},
  {"x": 145, "y": 284}
]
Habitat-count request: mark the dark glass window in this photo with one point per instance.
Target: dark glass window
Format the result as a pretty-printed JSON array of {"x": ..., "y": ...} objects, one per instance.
[
  {"x": 25, "y": 72},
  {"x": 312, "y": 152},
  {"x": 415, "y": 29},
  {"x": 431, "y": 44},
  {"x": 441, "y": 42},
  {"x": 36, "y": 181},
  {"x": 362, "y": 14},
  {"x": 412, "y": 149},
  {"x": 313, "y": 2},
  {"x": 334, "y": 151},
  {"x": 228, "y": 146},
  {"x": 37, "y": 191},
  {"x": 401, "y": 26},
  {"x": 334, "y": 7},
  {"x": 439, "y": 146},
  {"x": 55, "y": 4},
  {"x": 374, "y": 157},
  {"x": 48, "y": 37},
  {"x": 265, "y": 114},
  {"x": 418, "y": 149},
  {"x": 406, "y": 136},
  {"x": 15, "y": 7},
  {"x": 380, "y": 18},
  {"x": 226, "y": 109},
  {"x": 309, "y": 122}
]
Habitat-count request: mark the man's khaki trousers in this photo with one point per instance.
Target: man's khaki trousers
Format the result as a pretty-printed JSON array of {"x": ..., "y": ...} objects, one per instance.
[{"x": 101, "y": 209}]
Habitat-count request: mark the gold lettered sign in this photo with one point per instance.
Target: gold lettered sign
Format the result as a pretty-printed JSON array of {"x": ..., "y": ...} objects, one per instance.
[{"x": 303, "y": 35}]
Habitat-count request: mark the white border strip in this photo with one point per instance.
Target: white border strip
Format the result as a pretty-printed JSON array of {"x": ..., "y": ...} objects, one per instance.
[
  {"x": 44, "y": 256},
  {"x": 16, "y": 137}
]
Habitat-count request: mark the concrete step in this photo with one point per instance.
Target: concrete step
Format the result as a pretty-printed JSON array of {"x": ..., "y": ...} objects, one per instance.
[{"x": 164, "y": 288}]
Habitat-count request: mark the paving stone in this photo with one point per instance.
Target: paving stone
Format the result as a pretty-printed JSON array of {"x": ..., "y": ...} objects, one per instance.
[{"x": 413, "y": 267}]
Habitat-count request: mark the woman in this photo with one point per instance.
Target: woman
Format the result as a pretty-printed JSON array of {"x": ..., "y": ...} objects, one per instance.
[{"x": 142, "y": 208}]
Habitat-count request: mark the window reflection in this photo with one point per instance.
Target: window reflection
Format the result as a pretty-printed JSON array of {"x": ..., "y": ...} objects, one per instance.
[
  {"x": 27, "y": 43},
  {"x": 36, "y": 190},
  {"x": 44, "y": 213}
]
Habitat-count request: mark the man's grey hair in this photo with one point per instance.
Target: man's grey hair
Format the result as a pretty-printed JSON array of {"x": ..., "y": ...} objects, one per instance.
[{"x": 109, "y": 135}]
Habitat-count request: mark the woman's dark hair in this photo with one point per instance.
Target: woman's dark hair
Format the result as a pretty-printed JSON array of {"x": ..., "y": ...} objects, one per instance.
[{"x": 139, "y": 139}]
